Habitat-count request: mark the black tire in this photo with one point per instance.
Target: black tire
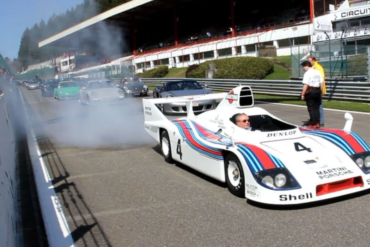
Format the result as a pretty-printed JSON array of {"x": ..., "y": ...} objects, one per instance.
[
  {"x": 234, "y": 175},
  {"x": 166, "y": 147}
]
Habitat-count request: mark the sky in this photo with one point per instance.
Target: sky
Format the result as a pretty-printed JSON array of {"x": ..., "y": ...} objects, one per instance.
[{"x": 17, "y": 15}]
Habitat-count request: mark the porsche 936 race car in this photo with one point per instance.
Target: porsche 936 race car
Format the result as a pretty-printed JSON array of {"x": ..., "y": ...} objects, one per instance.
[{"x": 275, "y": 162}]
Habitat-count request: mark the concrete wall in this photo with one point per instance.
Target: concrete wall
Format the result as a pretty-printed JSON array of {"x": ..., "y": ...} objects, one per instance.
[{"x": 8, "y": 178}]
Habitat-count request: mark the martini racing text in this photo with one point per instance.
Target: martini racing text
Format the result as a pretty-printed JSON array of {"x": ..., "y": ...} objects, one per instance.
[{"x": 333, "y": 172}]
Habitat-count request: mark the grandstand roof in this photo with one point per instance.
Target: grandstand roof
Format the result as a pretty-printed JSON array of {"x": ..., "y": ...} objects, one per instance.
[
  {"x": 154, "y": 19},
  {"x": 121, "y": 16}
]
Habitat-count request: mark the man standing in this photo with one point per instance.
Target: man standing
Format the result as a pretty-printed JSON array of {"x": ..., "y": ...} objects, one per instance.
[
  {"x": 311, "y": 93},
  {"x": 316, "y": 65}
]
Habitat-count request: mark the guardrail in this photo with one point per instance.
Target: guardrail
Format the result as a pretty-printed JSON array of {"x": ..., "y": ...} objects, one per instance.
[{"x": 336, "y": 88}]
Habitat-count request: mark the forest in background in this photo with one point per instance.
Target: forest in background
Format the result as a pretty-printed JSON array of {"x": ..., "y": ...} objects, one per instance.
[{"x": 30, "y": 53}]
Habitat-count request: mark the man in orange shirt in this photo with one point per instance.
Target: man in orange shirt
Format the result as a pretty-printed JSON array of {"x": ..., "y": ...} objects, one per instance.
[{"x": 316, "y": 65}]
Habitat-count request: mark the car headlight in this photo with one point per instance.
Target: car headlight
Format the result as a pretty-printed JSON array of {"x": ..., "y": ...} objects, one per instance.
[
  {"x": 276, "y": 178},
  {"x": 280, "y": 180},
  {"x": 362, "y": 160},
  {"x": 169, "y": 96},
  {"x": 367, "y": 162},
  {"x": 120, "y": 91},
  {"x": 93, "y": 93},
  {"x": 60, "y": 91},
  {"x": 268, "y": 180},
  {"x": 145, "y": 87}
]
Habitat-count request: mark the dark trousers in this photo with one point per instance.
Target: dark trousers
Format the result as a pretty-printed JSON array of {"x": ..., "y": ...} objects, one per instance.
[{"x": 313, "y": 99}]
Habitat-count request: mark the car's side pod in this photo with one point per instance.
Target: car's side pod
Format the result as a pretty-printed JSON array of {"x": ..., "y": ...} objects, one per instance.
[{"x": 349, "y": 120}]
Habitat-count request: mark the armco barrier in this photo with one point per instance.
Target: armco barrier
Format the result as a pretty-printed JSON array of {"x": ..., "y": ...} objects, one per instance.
[{"x": 336, "y": 89}]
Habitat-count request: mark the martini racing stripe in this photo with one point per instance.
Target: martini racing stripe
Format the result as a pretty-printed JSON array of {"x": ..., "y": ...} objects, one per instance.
[
  {"x": 194, "y": 142},
  {"x": 210, "y": 136},
  {"x": 258, "y": 159},
  {"x": 350, "y": 142}
]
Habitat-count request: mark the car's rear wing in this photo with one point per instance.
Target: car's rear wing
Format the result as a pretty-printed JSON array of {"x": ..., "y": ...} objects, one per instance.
[{"x": 151, "y": 107}]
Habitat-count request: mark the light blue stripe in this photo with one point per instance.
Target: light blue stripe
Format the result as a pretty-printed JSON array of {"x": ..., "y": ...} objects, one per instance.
[
  {"x": 197, "y": 140},
  {"x": 361, "y": 141},
  {"x": 219, "y": 157},
  {"x": 332, "y": 139},
  {"x": 276, "y": 161},
  {"x": 252, "y": 157},
  {"x": 248, "y": 160}
]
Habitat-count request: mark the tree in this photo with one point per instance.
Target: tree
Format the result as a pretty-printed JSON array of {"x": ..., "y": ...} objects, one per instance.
[{"x": 23, "y": 54}]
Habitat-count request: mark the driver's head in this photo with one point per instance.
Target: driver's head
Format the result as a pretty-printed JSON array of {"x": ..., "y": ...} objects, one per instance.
[{"x": 242, "y": 120}]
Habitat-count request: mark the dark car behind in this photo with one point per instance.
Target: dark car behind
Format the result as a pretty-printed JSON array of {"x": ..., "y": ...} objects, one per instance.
[
  {"x": 47, "y": 87},
  {"x": 133, "y": 86}
]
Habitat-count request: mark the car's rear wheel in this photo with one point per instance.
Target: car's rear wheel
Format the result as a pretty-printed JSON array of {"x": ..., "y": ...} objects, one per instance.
[
  {"x": 234, "y": 175},
  {"x": 166, "y": 147}
]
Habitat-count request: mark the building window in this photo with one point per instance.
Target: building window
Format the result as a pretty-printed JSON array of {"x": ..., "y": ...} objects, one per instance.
[
  {"x": 164, "y": 61},
  {"x": 305, "y": 40},
  {"x": 284, "y": 43},
  {"x": 139, "y": 65},
  {"x": 208, "y": 54},
  {"x": 224, "y": 52},
  {"x": 354, "y": 23},
  {"x": 250, "y": 48},
  {"x": 339, "y": 26},
  {"x": 185, "y": 58}
]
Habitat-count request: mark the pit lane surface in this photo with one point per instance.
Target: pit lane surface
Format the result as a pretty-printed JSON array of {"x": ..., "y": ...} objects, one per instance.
[{"x": 116, "y": 189}]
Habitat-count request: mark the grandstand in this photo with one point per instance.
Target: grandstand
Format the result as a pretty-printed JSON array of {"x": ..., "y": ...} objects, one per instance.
[{"x": 201, "y": 30}]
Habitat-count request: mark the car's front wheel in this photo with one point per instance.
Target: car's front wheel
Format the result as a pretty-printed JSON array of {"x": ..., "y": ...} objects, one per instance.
[
  {"x": 166, "y": 147},
  {"x": 234, "y": 175}
]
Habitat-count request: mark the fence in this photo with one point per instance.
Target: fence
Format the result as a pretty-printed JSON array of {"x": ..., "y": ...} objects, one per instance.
[
  {"x": 336, "y": 89},
  {"x": 340, "y": 61}
]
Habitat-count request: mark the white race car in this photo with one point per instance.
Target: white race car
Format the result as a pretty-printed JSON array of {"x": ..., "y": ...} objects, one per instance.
[{"x": 273, "y": 163}]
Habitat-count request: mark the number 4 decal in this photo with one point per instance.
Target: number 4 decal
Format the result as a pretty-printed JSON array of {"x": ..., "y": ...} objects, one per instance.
[
  {"x": 299, "y": 147},
  {"x": 178, "y": 149}
]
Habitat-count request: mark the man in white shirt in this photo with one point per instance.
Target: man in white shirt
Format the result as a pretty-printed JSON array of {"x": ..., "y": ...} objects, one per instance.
[{"x": 311, "y": 93}]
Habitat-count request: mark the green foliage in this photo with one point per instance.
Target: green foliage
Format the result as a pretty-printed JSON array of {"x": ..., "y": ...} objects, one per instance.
[
  {"x": 176, "y": 72},
  {"x": 191, "y": 68},
  {"x": 235, "y": 68},
  {"x": 285, "y": 59},
  {"x": 279, "y": 74},
  {"x": 159, "y": 72}
]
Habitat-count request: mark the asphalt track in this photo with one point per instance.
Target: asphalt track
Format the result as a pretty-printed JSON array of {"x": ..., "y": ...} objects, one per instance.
[{"x": 116, "y": 189}]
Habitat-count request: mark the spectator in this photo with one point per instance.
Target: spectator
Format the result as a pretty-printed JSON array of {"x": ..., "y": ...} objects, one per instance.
[
  {"x": 316, "y": 65},
  {"x": 311, "y": 93},
  {"x": 242, "y": 120}
]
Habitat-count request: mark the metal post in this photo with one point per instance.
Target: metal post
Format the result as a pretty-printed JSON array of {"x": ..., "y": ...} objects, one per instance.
[
  {"x": 368, "y": 63},
  {"x": 330, "y": 72}
]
